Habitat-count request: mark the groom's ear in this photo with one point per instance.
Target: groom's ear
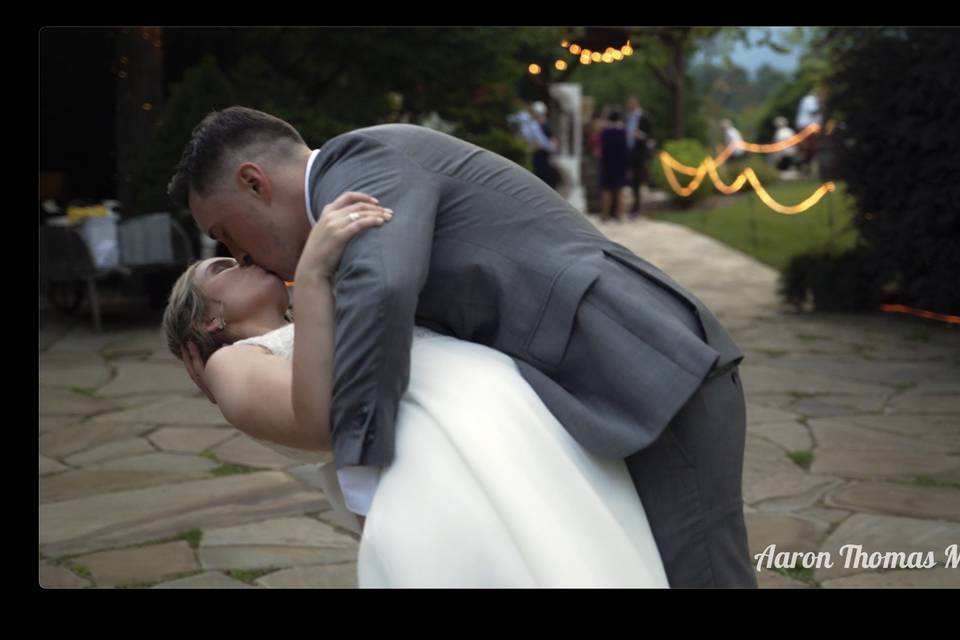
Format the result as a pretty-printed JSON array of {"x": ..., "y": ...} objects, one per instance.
[{"x": 254, "y": 180}]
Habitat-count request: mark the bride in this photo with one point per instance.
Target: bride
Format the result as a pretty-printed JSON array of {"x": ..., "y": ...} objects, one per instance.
[{"x": 486, "y": 488}]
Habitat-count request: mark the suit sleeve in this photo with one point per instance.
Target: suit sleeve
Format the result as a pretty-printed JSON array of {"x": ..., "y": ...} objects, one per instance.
[{"x": 377, "y": 287}]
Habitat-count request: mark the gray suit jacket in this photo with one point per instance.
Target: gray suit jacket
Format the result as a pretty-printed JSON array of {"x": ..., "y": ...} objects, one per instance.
[{"x": 481, "y": 249}]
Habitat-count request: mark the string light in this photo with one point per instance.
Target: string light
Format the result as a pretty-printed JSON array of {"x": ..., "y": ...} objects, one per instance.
[
  {"x": 534, "y": 69},
  {"x": 920, "y": 313},
  {"x": 756, "y": 148},
  {"x": 709, "y": 167},
  {"x": 795, "y": 139},
  {"x": 609, "y": 56}
]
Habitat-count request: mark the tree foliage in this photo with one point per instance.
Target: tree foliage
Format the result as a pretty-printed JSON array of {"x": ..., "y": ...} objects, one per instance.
[
  {"x": 332, "y": 80},
  {"x": 896, "y": 93}
]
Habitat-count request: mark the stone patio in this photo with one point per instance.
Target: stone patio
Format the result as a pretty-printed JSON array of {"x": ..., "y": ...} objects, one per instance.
[{"x": 853, "y": 438}]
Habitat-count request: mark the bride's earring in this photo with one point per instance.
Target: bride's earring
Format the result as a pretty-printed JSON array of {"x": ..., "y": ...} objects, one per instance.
[{"x": 221, "y": 325}]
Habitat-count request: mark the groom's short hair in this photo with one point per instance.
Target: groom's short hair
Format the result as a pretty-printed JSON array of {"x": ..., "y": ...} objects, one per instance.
[{"x": 213, "y": 140}]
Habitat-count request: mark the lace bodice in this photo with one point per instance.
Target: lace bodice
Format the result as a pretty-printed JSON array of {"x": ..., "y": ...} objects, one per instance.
[{"x": 280, "y": 343}]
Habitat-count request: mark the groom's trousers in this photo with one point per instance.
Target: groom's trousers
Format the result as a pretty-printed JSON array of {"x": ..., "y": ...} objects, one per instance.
[
  {"x": 689, "y": 478},
  {"x": 690, "y": 483}
]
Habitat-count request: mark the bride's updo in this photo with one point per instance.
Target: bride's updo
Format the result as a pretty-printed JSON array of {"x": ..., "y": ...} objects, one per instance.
[{"x": 183, "y": 319}]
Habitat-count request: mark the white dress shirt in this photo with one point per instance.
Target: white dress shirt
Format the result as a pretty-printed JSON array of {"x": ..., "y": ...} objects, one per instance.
[
  {"x": 731, "y": 136},
  {"x": 809, "y": 112}
]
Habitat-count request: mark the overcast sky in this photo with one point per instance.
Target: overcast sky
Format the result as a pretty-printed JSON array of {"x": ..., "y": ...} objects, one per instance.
[{"x": 755, "y": 57}]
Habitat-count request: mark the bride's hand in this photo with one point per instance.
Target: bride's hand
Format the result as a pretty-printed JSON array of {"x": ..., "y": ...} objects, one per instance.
[
  {"x": 340, "y": 221},
  {"x": 195, "y": 368}
]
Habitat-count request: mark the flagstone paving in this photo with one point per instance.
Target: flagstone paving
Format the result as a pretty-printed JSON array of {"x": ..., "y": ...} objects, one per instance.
[{"x": 853, "y": 439}]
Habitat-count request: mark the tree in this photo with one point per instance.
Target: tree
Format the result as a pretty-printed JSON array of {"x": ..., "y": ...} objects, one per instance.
[
  {"x": 667, "y": 52},
  {"x": 900, "y": 158},
  {"x": 139, "y": 99},
  {"x": 613, "y": 84},
  {"x": 785, "y": 98},
  {"x": 768, "y": 80},
  {"x": 203, "y": 89},
  {"x": 649, "y": 72},
  {"x": 897, "y": 152},
  {"x": 331, "y": 80}
]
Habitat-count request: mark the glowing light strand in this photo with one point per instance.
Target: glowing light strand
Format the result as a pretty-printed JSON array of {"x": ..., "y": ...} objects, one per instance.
[
  {"x": 709, "y": 167},
  {"x": 920, "y": 313},
  {"x": 756, "y": 148}
]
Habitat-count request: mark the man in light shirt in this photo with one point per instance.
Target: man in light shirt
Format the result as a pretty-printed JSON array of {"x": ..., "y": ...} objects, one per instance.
[
  {"x": 809, "y": 112},
  {"x": 785, "y": 158},
  {"x": 731, "y": 136}
]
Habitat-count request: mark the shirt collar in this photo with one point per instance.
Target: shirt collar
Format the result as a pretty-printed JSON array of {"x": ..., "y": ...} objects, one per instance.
[{"x": 306, "y": 187}]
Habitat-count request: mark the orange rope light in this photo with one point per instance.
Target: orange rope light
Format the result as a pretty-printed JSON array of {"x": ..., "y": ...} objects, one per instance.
[
  {"x": 920, "y": 313},
  {"x": 709, "y": 167},
  {"x": 777, "y": 146},
  {"x": 749, "y": 146}
]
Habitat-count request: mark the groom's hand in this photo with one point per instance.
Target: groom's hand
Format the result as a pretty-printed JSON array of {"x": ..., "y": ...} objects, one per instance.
[{"x": 194, "y": 364}]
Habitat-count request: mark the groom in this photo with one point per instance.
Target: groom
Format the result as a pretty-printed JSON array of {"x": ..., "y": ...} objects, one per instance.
[{"x": 631, "y": 364}]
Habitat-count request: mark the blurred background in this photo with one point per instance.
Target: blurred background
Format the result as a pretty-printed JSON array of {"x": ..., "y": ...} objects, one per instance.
[
  {"x": 118, "y": 104},
  {"x": 802, "y": 181}
]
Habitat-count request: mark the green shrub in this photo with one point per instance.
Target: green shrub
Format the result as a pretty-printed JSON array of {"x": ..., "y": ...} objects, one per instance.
[
  {"x": 847, "y": 282},
  {"x": 766, "y": 173},
  {"x": 782, "y": 102},
  {"x": 204, "y": 89},
  {"x": 897, "y": 151}
]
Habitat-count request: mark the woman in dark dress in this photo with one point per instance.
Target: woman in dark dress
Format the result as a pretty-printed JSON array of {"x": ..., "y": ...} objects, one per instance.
[{"x": 613, "y": 166}]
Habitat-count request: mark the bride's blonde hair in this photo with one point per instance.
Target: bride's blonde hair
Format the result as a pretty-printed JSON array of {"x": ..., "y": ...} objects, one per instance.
[{"x": 183, "y": 319}]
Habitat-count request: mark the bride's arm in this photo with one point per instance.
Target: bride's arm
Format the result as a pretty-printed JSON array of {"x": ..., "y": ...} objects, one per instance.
[
  {"x": 313, "y": 349},
  {"x": 253, "y": 391},
  {"x": 267, "y": 397},
  {"x": 313, "y": 303}
]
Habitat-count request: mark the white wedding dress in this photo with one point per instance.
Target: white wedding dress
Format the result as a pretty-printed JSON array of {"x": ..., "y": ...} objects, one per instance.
[{"x": 487, "y": 489}]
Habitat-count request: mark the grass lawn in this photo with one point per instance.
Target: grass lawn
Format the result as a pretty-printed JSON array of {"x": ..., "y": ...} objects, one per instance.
[{"x": 773, "y": 238}]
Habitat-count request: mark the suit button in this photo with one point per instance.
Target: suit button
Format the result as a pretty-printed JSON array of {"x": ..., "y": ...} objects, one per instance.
[
  {"x": 364, "y": 410},
  {"x": 371, "y": 436}
]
